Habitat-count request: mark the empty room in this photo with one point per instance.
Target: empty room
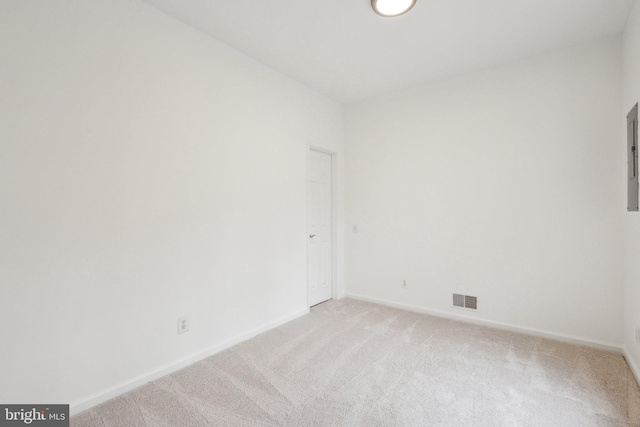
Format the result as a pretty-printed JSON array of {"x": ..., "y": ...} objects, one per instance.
[{"x": 319, "y": 213}]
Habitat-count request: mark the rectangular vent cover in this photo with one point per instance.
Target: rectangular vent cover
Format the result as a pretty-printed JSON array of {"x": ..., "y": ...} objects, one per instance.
[{"x": 465, "y": 301}]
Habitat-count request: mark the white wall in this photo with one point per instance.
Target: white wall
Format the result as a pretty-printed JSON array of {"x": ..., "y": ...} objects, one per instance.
[
  {"x": 146, "y": 172},
  {"x": 631, "y": 54},
  {"x": 505, "y": 184}
]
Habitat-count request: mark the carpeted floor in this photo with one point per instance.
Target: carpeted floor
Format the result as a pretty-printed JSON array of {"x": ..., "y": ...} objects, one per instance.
[{"x": 350, "y": 363}]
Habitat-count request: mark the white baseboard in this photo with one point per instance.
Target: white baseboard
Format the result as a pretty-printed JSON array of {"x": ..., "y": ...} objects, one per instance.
[
  {"x": 498, "y": 325},
  {"x": 632, "y": 364},
  {"x": 105, "y": 395}
]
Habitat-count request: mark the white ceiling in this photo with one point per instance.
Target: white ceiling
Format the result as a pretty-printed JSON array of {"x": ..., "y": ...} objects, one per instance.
[{"x": 342, "y": 49}]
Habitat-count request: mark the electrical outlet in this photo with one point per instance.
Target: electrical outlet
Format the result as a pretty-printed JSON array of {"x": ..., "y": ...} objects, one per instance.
[
  {"x": 404, "y": 284},
  {"x": 638, "y": 334},
  {"x": 183, "y": 324}
]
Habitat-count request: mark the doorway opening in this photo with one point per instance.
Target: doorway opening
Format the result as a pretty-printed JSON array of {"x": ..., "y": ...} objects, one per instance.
[{"x": 320, "y": 228}]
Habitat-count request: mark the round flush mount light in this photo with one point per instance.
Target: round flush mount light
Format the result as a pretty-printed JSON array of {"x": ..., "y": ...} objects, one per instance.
[{"x": 391, "y": 8}]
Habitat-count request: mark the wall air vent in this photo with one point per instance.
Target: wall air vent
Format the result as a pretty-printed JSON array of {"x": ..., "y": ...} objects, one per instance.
[
  {"x": 458, "y": 300},
  {"x": 465, "y": 301}
]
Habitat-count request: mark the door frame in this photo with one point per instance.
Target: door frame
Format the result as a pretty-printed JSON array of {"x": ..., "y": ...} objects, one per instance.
[{"x": 334, "y": 231}]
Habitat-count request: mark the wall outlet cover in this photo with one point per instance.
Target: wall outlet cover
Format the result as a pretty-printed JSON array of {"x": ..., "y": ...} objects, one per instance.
[{"x": 183, "y": 324}]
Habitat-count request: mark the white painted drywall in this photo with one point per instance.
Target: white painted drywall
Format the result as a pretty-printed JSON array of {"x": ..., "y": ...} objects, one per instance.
[
  {"x": 503, "y": 184},
  {"x": 631, "y": 55},
  {"x": 147, "y": 172}
]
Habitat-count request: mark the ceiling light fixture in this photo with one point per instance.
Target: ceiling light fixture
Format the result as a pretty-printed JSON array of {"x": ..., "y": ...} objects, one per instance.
[{"x": 391, "y": 8}]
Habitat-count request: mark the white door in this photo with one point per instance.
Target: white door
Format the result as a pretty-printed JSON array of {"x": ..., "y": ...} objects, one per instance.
[{"x": 319, "y": 213}]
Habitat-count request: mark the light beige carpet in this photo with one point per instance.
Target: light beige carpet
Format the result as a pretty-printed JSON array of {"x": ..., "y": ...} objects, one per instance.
[{"x": 350, "y": 363}]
